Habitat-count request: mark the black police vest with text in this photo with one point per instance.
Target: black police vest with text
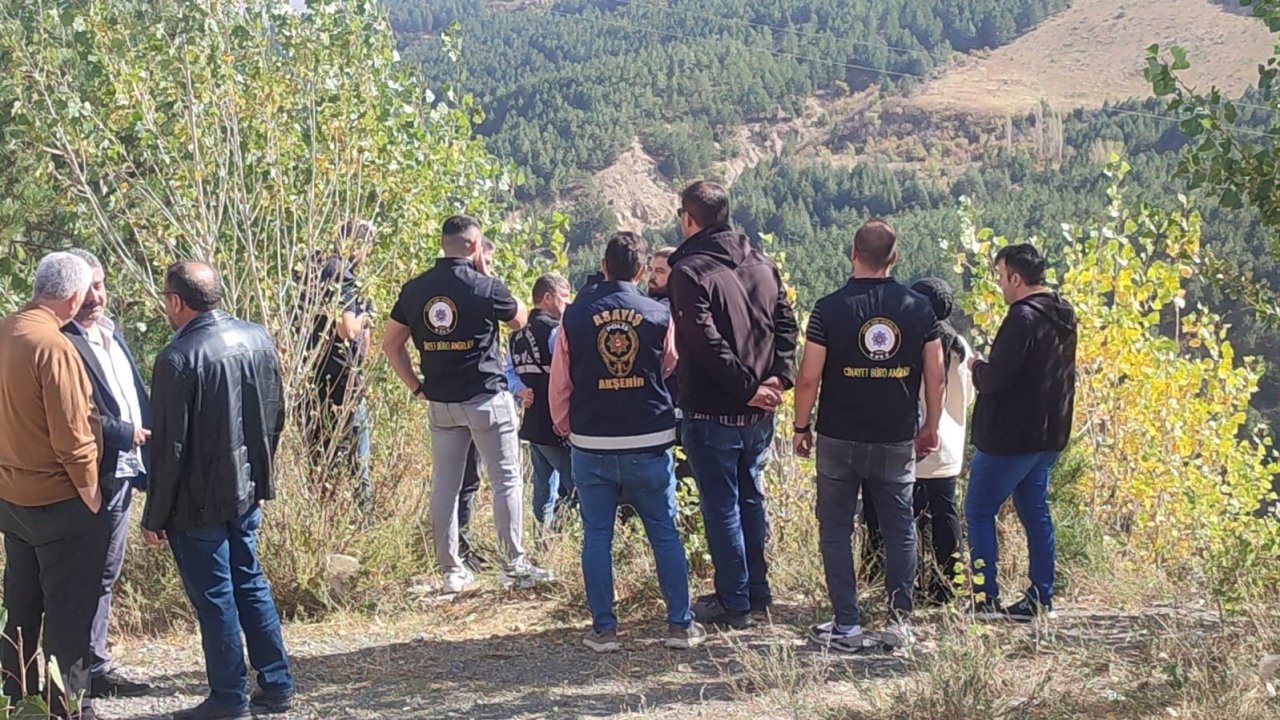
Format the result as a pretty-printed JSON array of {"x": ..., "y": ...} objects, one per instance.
[
  {"x": 875, "y": 331},
  {"x": 451, "y": 316},
  {"x": 531, "y": 358},
  {"x": 617, "y": 339}
]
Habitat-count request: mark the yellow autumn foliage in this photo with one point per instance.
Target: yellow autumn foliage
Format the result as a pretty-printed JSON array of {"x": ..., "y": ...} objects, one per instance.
[{"x": 1173, "y": 472}]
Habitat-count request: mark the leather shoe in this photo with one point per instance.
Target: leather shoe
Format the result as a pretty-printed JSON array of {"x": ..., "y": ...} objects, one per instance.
[
  {"x": 209, "y": 710},
  {"x": 268, "y": 704},
  {"x": 113, "y": 685}
]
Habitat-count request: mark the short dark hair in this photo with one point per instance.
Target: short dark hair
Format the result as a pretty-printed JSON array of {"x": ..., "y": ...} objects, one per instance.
[
  {"x": 876, "y": 244},
  {"x": 707, "y": 203},
  {"x": 458, "y": 224},
  {"x": 197, "y": 284},
  {"x": 1025, "y": 260},
  {"x": 456, "y": 228},
  {"x": 624, "y": 256},
  {"x": 663, "y": 253},
  {"x": 548, "y": 284}
]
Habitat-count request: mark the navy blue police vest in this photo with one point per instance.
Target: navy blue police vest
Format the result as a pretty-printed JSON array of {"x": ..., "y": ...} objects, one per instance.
[
  {"x": 620, "y": 403},
  {"x": 531, "y": 356}
]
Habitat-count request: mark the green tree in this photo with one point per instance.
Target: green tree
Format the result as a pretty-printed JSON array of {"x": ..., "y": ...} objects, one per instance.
[
  {"x": 1177, "y": 481},
  {"x": 245, "y": 134},
  {"x": 1232, "y": 150}
]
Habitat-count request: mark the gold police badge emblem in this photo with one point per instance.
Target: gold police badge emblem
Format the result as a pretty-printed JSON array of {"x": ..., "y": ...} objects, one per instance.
[{"x": 618, "y": 344}]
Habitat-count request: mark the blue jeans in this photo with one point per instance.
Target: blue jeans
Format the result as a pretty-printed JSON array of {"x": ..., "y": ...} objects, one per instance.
[
  {"x": 220, "y": 571},
  {"x": 728, "y": 464},
  {"x": 650, "y": 482},
  {"x": 992, "y": 479},
  {"x": 364, "y": 451},
  {"x": 552, "y": 479}
]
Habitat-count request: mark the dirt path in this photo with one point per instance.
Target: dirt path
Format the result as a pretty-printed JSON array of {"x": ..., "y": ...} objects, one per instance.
[{"x": 496, "y": 656}]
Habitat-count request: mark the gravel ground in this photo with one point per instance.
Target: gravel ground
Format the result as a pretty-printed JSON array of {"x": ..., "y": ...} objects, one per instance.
[
  {"x": 501, "y": 656},
  {"x": 486, "y": 658}
]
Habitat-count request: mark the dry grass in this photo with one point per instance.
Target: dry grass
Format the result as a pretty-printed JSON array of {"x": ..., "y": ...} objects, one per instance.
[
  {"x": 1095, "y": 51},
  {"x": 1133, "y": 642}
]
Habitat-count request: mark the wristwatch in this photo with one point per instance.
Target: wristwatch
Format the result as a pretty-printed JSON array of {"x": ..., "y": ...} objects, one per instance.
[{"x": 802, "y": 429}]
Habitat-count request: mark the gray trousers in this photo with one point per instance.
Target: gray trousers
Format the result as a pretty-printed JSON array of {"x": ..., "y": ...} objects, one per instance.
[
  {"x": 490, "y": 422},
  {"x": 885, "y": 475},
  {"x": 116, "y": 509}
]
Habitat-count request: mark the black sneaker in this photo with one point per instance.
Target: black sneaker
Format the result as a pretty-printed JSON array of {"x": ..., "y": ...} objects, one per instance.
[
  {"x": 264, "y": 703},
  {"x": 761, "y": 605},
  {"x": 209, "y": 710},
  {"x": 111, "y": 684},
  {"x": 708, "y": 609},
  {"x": 990, "y": 609},
  {"x": 1026, "y": 610}
]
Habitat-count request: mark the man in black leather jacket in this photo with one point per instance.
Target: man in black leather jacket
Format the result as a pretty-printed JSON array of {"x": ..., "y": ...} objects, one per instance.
[{"x": 218, "y": 409}]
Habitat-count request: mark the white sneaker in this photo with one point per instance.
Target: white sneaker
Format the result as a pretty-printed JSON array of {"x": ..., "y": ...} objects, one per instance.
[
  {"x": 852, "y": 641},
  {"x": 524, "y": 575},
  {"x": 898, "y": 636},
  {"x": 458, "y": 581}
]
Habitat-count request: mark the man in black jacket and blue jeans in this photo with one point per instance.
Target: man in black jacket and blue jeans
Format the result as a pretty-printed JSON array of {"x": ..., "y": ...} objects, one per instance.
[
  {"x": 736, "y": 335},
  {"x": 218, "y": 405},
  {"x": 1021, "y": 422}
]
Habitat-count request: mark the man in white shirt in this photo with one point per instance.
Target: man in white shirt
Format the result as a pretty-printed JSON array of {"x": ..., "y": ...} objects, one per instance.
[{"x": 125, "y": 412}]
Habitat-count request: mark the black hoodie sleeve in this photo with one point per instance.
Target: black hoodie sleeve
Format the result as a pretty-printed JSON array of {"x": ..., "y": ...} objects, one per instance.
[
  {"x": 1008, "y": 353},
  {"x": 785, "y": 332},
  {"x": 699, "y": 340}
]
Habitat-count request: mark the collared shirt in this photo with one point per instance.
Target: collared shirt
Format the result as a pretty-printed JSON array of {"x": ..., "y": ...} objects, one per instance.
[
  {"x": 119, "y": 374},
  {"x": 50, "y": 439}
]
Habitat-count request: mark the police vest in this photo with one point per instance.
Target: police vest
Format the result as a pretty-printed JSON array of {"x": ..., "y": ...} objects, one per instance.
[
  {"x": 617, "y": 340},
  {"x": 453, "y": 313},
  {"x": 875, "y": 333},
  {"x": 531, "y": 357}
]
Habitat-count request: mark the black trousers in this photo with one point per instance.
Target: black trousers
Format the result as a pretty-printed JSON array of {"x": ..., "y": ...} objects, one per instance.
[
  {"x": 936, "y": 518},
  {"x": 54, "y": 557},
  {"x": 466, "y": 507}
]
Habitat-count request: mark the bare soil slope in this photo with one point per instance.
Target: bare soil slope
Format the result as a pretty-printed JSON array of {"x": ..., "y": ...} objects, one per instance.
[{"x": 1095, "y": 51}]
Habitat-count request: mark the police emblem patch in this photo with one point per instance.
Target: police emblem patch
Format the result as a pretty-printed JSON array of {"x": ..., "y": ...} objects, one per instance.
[
  {"x": 879, "y": 339},
  {"x": 440, "y": 315},
  {"x": 618, "y": 344}
]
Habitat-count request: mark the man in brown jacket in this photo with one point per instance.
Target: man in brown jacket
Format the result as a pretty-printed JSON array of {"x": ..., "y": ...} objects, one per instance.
[
  {"x": 736, "y": 334},
  {"x": 55, "y": 540}
]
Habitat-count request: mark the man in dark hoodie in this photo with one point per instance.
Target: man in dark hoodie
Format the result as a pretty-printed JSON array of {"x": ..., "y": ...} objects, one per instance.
[
  {"x": 1021, "y": 422},
  {"x": 736, "y": 335}
]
